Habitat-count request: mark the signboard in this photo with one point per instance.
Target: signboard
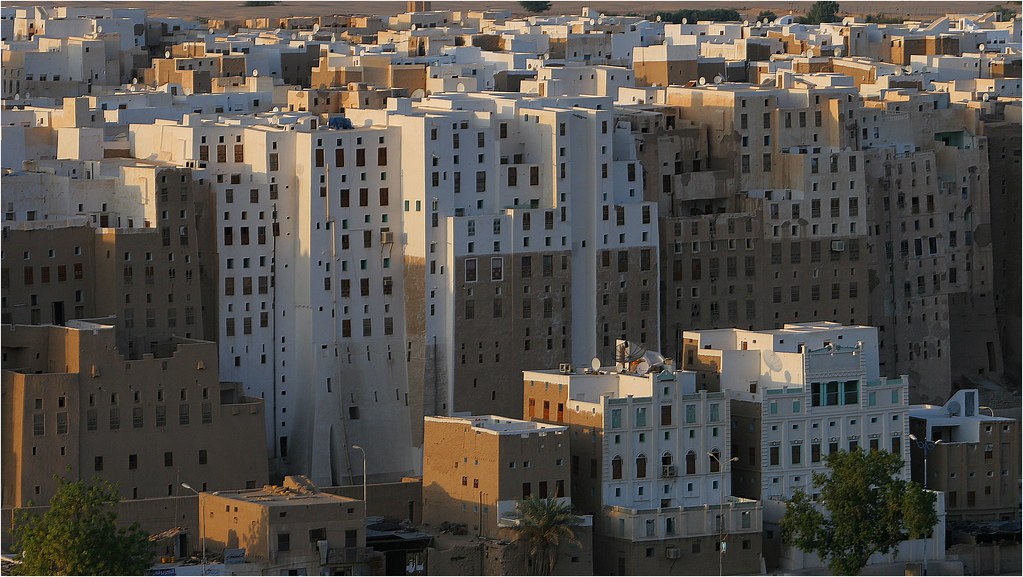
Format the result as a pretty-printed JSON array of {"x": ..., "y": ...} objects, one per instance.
[{"x": 234, "y": 556}]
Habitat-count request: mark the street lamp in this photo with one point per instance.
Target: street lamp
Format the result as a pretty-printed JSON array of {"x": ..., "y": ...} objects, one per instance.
[
  {"x": 927, "y": 447},
  {"x": 203, "y": 519},
  {"x": 364, "y": 500},
  {"x": 721, "y": 505}
]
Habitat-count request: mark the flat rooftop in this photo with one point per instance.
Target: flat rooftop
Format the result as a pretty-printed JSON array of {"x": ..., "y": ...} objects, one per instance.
[
  {"x": 276, "y": 496},
  {"x": 501, "y": 425}
]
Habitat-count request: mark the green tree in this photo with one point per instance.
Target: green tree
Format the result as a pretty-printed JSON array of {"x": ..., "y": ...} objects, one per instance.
[
  {"x": 771, "y": 16},
  {"x": 882, "y": 18},
  {"x": 869, "y": 510},
  {"x": 535, "y": 7},
  {"x": 1005, "y": 13},
  {"x": 78, "y": 535},
  {"x": 545, "y": 524},
  {"x": 821, "y": 11}
]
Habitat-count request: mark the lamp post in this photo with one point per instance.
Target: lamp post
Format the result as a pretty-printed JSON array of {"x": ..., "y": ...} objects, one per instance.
[
  {"x": 365, "y": 501},
  {"x": 203, "y": 519},
  {"x": 927, "y": 446},
  {"x": 721, "y": 505}
]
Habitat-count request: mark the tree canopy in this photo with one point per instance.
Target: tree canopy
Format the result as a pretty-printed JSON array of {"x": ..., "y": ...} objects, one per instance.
[
  {"x": 693, "y": 16},
  {"x": 78, "y": 535},
  {"x": 546, "y": 523},
  {"x": 869, "y": 510},
  {"x": 821, "y": 11},
  {"x": 1005, "y": 13},
  {"x": 535, "y": 7}
]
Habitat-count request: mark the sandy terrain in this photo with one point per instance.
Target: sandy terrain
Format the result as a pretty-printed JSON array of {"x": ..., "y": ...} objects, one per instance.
[{"x": 235, "y": 10}]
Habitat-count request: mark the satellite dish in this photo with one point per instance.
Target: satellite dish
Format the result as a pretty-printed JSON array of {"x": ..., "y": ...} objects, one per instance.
[
  {"x": 772, "y": 360},
  {"x": 745, "y": 22},
  {"x": 316, "y": 28},
  {"x": 414, "y": 27},
  {"x": 803, "y": 54},
  {"x": 212, "y": 32},
  {"x": 277, "y": 109},
  {"x": 333, "y": 37},
  {"x": 685, "y": 21},
  {"x": 986, "y": 97},
  {"x": 838, "y": 52},
  {"x": 718, "y": 79},
  {"x": 766, "y": 21},
  {"x": 134, "y": 81},
  {"x": 809, "y": 53},
  {"x": 28, "y": 94},
  {"x": 166, "y": 53},
  {"x": 703, "y": 81},
  {"x": 643, "y": 367},
  {"x": 595, "y": 363},
  {"x": 99, "y": 30},
  {"x": 255, "y": 72},
  {"x": 898, "y": 72},
  {"x": 981, "y": 47},
  {"x": 658, "y": 18},
  {"x": 277, "y": 31},
  {"x": 17, "y": 96}
]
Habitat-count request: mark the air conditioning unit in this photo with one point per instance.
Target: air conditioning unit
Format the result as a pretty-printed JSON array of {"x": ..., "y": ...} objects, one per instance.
[
  {"x": 565, "y": 368},
  {"x": 673, "y": 553},
  {"x": 669, "y": 471},
  {"x": 386, "y": 236},
  {"x": 837, "y": 245}
]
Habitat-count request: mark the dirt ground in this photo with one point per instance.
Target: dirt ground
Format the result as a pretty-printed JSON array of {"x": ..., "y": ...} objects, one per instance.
[{"x": 235, "y": 10}]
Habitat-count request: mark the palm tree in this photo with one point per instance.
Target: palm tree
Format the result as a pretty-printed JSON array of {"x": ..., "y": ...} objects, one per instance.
[{"x": 544, "y": 524}]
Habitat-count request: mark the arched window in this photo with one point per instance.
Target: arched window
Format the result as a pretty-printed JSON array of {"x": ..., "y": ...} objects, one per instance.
[
  {"x": 690, "y": 463},
  {"x": 616, "y": 467},
  {"x": 641, "y": 467},
  {"x": 715, "y": 461},
  {"x": 666, "y": 458}
]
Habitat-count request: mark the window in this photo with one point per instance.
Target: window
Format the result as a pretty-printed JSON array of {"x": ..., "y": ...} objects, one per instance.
[
  {"x": 470, "y": 270},
  {"x": 775, "y": 456},
  {"x": 616, "y": 467},
  {"x": 284, "y": 542}
]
